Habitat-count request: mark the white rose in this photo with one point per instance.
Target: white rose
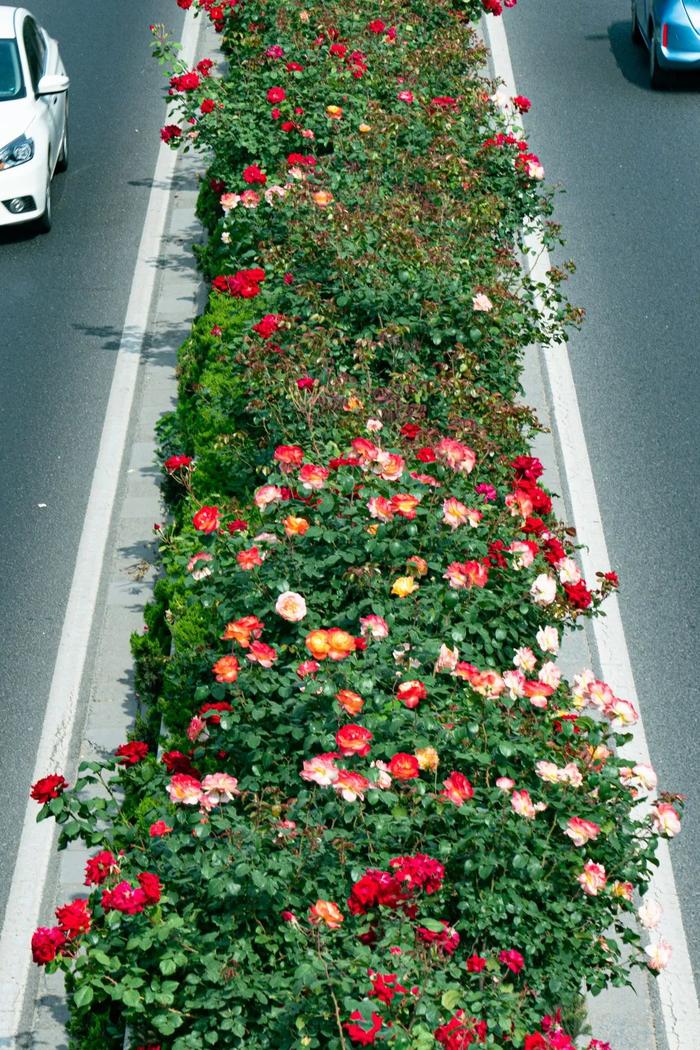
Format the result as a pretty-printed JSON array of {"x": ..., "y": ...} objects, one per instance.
[{"x": 291, "y": 606}]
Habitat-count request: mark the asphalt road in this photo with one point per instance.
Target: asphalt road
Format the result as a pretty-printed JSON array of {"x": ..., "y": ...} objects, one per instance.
[
  {"x": 629, "y": 161},
  {"x": 63, "y": 300}
]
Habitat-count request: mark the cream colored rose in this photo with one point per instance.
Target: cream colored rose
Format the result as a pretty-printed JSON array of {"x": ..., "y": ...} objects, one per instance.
[{"x": 291, "y": 606}]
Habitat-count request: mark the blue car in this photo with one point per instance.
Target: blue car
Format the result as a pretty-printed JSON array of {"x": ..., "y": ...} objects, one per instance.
[{"x": 670, "y": 29}]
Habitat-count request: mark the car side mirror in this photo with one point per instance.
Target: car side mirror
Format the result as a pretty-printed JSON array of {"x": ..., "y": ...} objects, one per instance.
[{"x": 53, "y": 84}]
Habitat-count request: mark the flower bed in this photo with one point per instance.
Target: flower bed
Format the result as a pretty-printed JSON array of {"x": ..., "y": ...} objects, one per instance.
[{"x": 377, "y": 813}]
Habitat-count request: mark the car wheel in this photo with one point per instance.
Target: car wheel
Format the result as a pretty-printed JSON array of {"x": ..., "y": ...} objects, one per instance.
[
  {"x": 658, "y": 77},
  {"x": 636, "y": 31},
  {"x": 62, "y": 162},
  {"x": 43, "y": 223}
]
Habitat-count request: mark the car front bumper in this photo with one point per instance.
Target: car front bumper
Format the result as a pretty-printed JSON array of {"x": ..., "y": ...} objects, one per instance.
[{"x": 26, "y": 180}]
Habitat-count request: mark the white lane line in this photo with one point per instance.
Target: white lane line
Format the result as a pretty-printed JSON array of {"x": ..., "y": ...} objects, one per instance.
[
  {"x": 36, "y": 844},
  {"x": 676, "y": 985}
]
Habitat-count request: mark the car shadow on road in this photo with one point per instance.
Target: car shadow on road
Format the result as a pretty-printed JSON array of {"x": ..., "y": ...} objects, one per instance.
[{"x": 633, "y": 62}]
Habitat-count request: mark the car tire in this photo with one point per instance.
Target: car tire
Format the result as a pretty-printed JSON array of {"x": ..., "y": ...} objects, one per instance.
[
  {"x": 636, "y": 31},
  {"x": 43, "y": 223},
  {"x": 62, "y": 162},
  {"x": 658, "y": 77}
]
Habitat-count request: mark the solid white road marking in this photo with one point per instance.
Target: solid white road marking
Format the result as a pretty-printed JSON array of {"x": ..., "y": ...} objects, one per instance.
[
  {"x": 676, "y": 985},
  {"x": 27, "y": 890}
]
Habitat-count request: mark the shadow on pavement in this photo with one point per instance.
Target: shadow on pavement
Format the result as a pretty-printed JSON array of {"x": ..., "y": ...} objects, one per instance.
[{"x": 633, "y": 62}]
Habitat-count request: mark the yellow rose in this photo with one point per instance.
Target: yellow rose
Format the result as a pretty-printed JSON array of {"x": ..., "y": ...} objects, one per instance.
[
  {"x": 427, "y": 758},
  {"x": 404, "y": 586}
]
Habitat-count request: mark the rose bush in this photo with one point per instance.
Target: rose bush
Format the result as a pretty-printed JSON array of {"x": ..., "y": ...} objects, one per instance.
[{"x": 368, "y": 808}]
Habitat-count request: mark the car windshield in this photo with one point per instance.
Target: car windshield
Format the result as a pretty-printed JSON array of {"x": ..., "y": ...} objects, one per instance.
[{"x": 11, "y": 82}]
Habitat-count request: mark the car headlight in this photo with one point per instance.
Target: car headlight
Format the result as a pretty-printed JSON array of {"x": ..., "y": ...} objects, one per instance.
[{"x": 19, "y": 151}]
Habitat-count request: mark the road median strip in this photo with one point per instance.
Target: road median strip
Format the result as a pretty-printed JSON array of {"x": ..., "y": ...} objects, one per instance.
[{"x": 380, "y": 813}]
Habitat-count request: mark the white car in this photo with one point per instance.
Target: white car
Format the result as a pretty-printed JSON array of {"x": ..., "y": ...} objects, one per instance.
[{"x": 33, "y": 118}]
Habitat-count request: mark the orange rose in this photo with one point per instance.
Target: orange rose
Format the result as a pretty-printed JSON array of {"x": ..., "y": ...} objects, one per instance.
[
  {"x": 340, "y": 643},
  {"x": 334, "y": 112},
  {"x": 322, "y": 198},
  {"x": 404, "y": 767},
  {"x": 243, "y": 630},
  {"x": 351, "y": 702},
  {"x": 364, "y": 128},
  {"x": 317, "y": 643},
  {"x": 226, "y": 669},
  {"x": 294, "y": 526},
  {"x": 326, "y": 912}
]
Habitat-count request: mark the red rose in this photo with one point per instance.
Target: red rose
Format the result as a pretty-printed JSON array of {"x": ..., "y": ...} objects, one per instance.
[
  {"x": 185, "y": 82},
  {"x": 475, "y": 964},
  {"x": 46, "y": 943},
  {"x": 306, "y": 383},
  {"x": 132, "y": 753},
  {"x": 426, "y": 455},
  {"x": 410, "y": 431},
  {"x": 237, "y": 525},
  {"x": 206, "y": 519},
  {"x": 178, "y": 462},
  {"x": 275, "y": 95},
  {"x": 74, "y": 918},
  {"x": 411, "y": 693},
  {"x": 360, "y": 1034},
  {"x": 208, "y": 104},
  {"x": 170, "y": 132},
  {"x": 267, "y": 326},
  {"x": 176, "y": 762},
  {"x": 205, "y": 66},
  {"x": 377, "y": 26},
  {"x": 253, "y": 175},
  {"x": 151, "y": 886},
  {"x": 353, "y": 740},
  {"x": 158, "y": 829},
  {"x": 512, "y": 959},
  {"x": 48, "y": 788},
  {"x": 214, "y": 706},
  {"x": 522, "y": 103},
  {"x": 124, "y": 898},
  {"x": 100, "y": 867},
  {"x": 578, "y": 594}
]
